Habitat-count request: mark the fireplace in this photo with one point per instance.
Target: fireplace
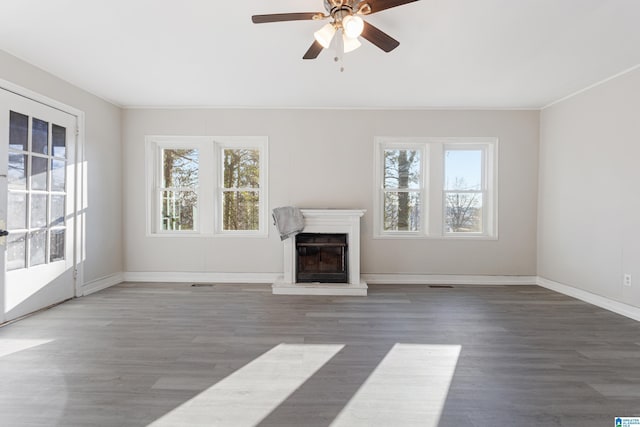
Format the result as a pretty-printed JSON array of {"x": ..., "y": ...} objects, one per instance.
[
  {"x": 337, "y": 278},
  {"x": 322, "y": 258}
]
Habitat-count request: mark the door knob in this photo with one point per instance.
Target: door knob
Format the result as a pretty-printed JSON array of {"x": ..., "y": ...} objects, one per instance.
[{"x": 4, "y": 233}]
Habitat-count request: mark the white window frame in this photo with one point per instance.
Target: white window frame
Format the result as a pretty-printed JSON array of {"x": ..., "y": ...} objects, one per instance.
[
  {"x": 259, "y": 143},
  {"x": 208, "y": 222},
  {"x": 433, "y": 217},
  {"x": 412, "y": 144}
]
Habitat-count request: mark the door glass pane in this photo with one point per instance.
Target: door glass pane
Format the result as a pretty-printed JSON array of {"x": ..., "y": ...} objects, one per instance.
[
  {"x": 16, "y": 251},
  {"x": 57, "y": 245},
  {"x": 37, "y": 245},
  {"x": 39, "y": 136},
  {"x": 57, "y": 175},
  {"x": 38, "y": 210},
  {"x": 57, "y": 210},
  {"x": 17, "y": 177},
  {"x": 39, "y": 167},
  {"x": 19, "y": 131},
  {"x": 58, "y": 141},
  {"x": 17, "y": 211},
  {"x": 402, "y": 169}
]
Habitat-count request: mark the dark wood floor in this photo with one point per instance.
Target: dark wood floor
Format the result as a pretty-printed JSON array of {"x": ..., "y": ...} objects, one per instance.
[{"x": 137, "y": 354}]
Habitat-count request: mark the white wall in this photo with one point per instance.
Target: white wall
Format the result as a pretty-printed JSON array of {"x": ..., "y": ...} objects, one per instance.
[
  {"x": 103, "y": 156},
  {"x": 589, "y": 202},
  {"x": 324, "y": 158}
]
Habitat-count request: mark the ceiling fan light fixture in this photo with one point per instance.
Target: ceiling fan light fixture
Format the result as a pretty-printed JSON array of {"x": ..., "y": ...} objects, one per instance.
[
  {"x": 324, "y": 35},
  {"x": 349, "y": 43},
  {"x": 352, "y": 26}
]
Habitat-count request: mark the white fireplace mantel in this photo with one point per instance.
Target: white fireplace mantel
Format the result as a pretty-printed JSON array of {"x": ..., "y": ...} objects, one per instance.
[{"x": 345, "y": 221}]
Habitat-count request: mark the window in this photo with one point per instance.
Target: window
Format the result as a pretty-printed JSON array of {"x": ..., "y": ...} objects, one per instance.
[
  {"x": 403, "y": 189},
  {"x": 206, "y": 186},
  {"x": 240, "y": 189},
  {"x": 178, "y": 193},
  {"x": 465, "y": 189},
  {"x": 435, "y": 187}
]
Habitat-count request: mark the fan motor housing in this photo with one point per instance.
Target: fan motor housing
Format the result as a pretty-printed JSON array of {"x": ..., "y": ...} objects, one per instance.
[{"x": 339, "y": 9}]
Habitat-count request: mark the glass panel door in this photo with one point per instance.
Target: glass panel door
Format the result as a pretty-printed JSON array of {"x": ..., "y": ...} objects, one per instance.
[{"x": 36, "y": 198}]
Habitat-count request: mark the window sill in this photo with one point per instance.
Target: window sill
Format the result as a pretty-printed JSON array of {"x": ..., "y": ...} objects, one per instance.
[{"x": 432, "y": 237}]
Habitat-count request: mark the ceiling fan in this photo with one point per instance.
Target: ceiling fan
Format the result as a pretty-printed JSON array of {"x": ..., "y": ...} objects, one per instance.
[{"x": 345, "y": 16}]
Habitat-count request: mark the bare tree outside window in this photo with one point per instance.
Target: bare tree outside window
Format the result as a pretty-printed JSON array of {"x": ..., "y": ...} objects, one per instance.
[
  {"x": 402, "y": 188},
  {"x": 179, "y": 189},
  {"x": 241, "y": 189},
  {"x": 463, "y": 191}
]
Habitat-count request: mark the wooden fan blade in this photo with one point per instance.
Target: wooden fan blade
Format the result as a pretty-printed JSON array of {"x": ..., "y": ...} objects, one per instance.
[
  {"x": 279, "y": 17},
  {"x": 313, "y": 51},
  {"x": 378, "y": 5},
  {"x": 379, "y": 38}
]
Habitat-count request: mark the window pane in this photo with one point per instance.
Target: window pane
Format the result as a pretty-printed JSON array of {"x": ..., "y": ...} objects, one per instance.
[
  {"x": 16, "y": 251},
  {"x": 180, "y": 168},
  {"x": 17, "y": 211},
  {"x": 401, "y": 211},
  {"x": 57, "y": 210},
  {"x": 241, "y": 210},
  {"x": 57, "y": 245},
  {"x": 464, "y": 212},
  {"x": 38, "y": 210},
  {"x": 241, "y": 168},
  {"x": 17, "y": 177},
  {"x": 402, "y": 169},
  {"x": 58, "y": 175},
  {"x": 463, "y": 170},
  {"x": 37, "y": 247},
  {"x": 39, "y": 136},
  {"x": 19, "y": 131},
  {"x": 59, "y": 141},
  {"x": 179, "y": 210},
  {"x": 39, "y": 167}
]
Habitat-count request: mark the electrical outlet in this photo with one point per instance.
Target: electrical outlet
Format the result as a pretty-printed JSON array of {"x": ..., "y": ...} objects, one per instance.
[{"x": 627, "y": 280}]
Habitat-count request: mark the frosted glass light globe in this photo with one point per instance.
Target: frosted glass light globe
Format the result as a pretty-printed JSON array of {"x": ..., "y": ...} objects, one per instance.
[{"x": 352, "y": 26}]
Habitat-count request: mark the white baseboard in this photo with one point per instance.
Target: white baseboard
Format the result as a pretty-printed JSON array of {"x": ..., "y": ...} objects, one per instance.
[
  {"x": 597, "y": 300},
  {"x": 446, "y": 279},
  {"x": 203, "y": 277},
  {"x": 102, "y": 283},
  {"x": 626, "y": 310}
]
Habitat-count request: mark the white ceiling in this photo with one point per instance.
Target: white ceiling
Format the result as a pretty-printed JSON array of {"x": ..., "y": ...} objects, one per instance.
[{"x": 452, "y": 53}]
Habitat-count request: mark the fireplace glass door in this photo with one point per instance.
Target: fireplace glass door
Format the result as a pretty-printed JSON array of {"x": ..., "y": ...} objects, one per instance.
[{"x": 321, "y": 258}]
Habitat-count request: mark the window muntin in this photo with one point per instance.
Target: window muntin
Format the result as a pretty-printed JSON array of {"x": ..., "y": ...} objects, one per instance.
[{"x": 36, "y": 182}]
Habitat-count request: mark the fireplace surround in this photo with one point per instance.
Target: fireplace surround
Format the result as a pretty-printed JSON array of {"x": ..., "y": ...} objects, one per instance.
[{"x": 333, "y": 222}]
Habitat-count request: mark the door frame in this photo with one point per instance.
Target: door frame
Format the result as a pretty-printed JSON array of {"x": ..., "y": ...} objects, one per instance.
[{"x": 79, "y": 210}]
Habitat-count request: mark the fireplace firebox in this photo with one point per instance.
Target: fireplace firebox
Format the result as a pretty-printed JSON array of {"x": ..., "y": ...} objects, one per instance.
[{"x": 322, "y": 257}]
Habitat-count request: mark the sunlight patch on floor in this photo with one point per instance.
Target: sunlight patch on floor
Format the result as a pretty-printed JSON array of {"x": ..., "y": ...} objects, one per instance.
[
  {"x": 247, "y": 396},
  {"x": 9, "y": 345},
  {"x": 408, "y": 387}
]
